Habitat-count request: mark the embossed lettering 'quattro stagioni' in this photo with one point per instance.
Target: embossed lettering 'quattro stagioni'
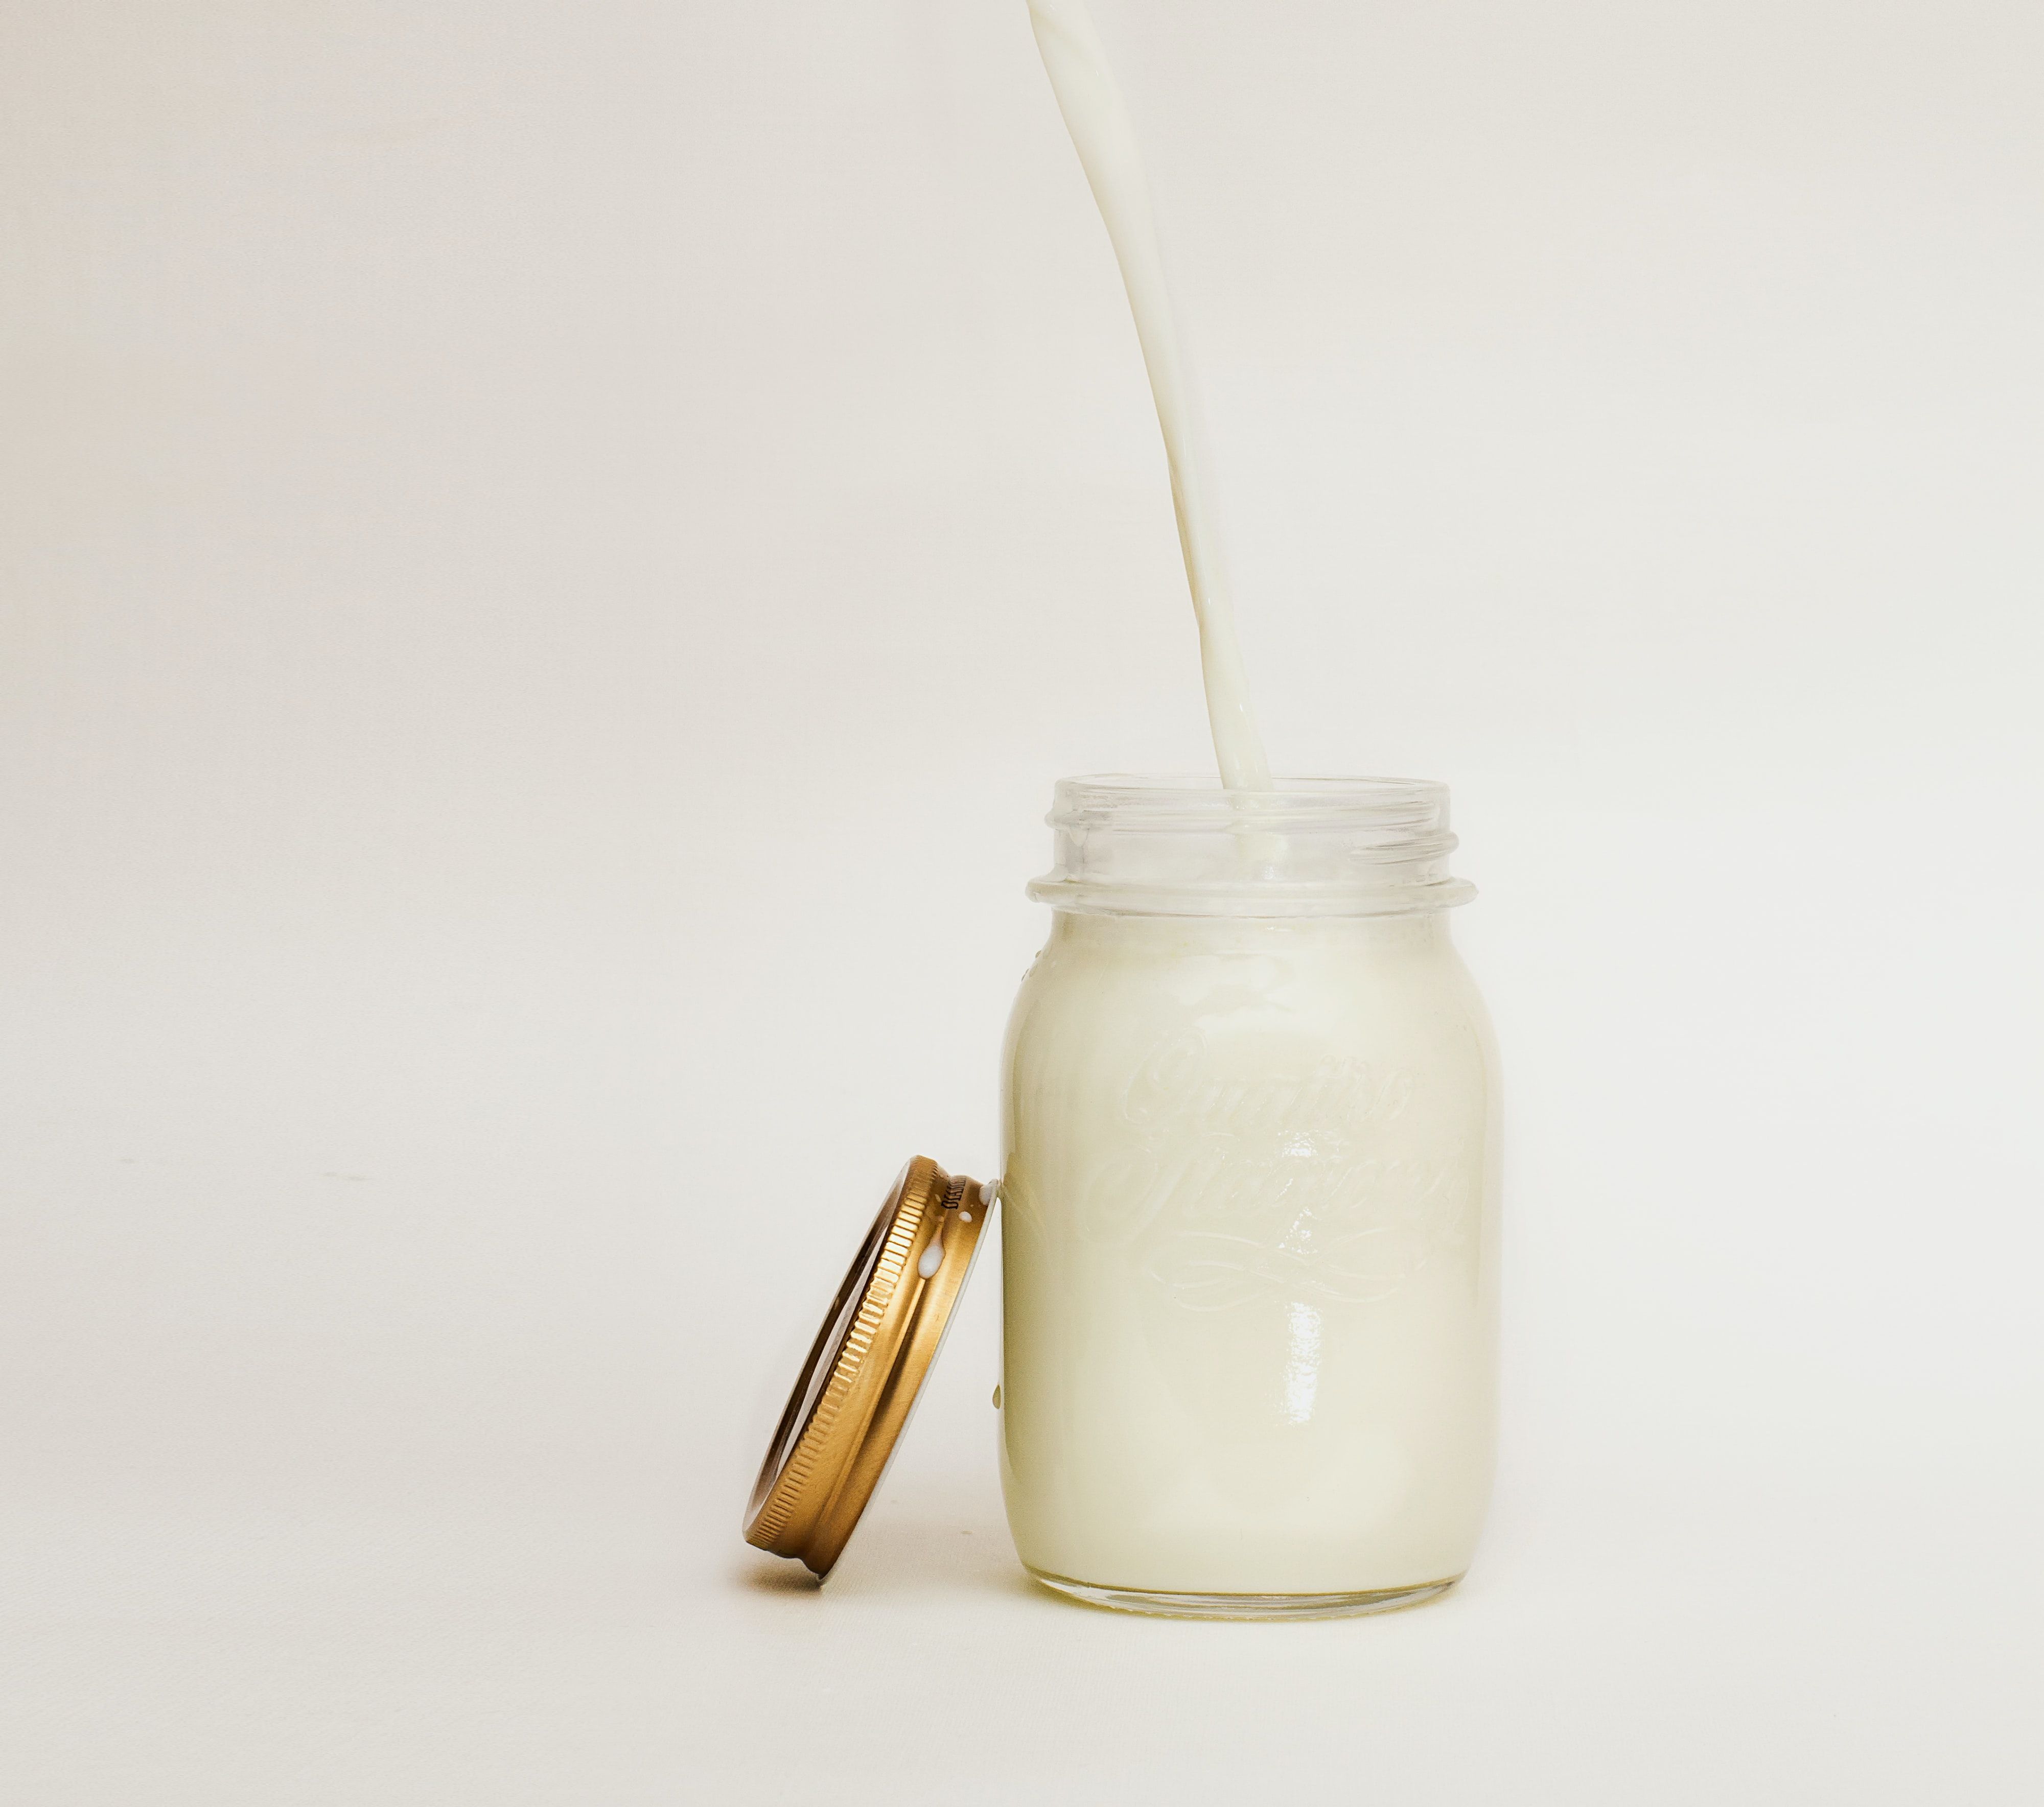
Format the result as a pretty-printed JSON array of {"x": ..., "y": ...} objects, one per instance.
[{"x": 1241, "y": 1187}]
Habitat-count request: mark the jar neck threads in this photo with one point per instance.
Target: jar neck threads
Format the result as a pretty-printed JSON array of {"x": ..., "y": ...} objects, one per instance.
[{"x": 1170, "y": 846}]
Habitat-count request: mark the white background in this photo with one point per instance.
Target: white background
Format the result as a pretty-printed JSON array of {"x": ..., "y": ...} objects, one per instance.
[{"x": 552, "y": 555}]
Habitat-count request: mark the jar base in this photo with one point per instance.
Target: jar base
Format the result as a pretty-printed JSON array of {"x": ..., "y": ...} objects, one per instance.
[{"x": 1245, "y": 1605}]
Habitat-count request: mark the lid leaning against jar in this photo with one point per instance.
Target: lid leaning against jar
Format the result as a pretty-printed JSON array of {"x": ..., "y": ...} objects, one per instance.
[{"x": 855, "y": 1392}]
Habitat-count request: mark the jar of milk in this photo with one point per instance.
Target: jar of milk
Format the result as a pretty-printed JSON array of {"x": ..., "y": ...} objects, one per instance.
[{"x": 1250, "y": 1205}]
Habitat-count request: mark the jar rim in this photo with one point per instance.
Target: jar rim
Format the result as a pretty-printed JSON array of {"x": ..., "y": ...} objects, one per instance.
[{"x": 1140, "y": 800}]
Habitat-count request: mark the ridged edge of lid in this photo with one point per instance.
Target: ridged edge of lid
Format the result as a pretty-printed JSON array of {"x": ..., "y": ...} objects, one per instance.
[{"x": 917, "y": 1192}]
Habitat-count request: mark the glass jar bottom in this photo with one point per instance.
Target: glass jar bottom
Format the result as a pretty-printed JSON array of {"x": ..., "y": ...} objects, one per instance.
[{"x": 1246, "y": 1606}]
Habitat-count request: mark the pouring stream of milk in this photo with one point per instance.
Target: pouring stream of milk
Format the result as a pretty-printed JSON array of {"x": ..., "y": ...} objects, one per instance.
[{"x": 1099, "y": 123}]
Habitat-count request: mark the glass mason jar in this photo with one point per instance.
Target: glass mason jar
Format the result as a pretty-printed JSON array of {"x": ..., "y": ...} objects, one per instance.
[{"x": 1250, "y": 1205}]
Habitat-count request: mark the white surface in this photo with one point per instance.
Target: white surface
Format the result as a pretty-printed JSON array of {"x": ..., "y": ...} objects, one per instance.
[{"x": 522, "y": 743}]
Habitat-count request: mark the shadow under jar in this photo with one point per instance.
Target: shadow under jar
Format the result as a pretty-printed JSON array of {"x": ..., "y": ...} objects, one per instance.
[{"x": 1250, "y": 1205}]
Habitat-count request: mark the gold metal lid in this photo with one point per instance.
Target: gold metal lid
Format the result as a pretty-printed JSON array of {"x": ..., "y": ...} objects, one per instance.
[{"x": 856, "y": 1390}]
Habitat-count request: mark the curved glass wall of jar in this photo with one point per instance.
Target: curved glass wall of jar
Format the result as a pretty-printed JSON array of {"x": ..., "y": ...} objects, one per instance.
[{"x": 1250, "y": 1205}]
